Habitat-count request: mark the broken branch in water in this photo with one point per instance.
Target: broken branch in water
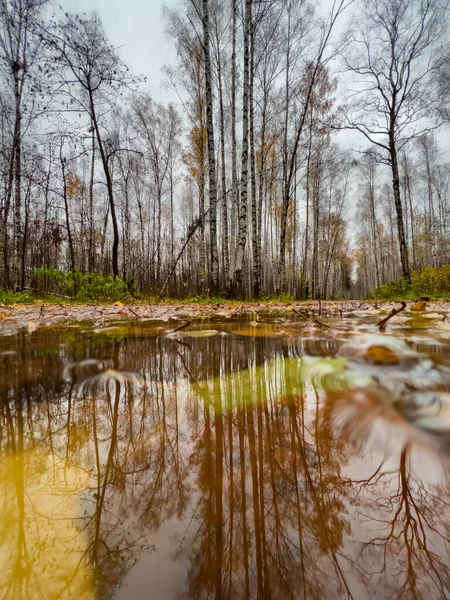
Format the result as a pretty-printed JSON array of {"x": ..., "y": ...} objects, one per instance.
[
  {"x": 320, "y": 324},
  {"x": 180, "y": 327},
  {"x": 309, "y": 320},
  {"x": 301, "y": 315},
  {"x": 382, "y": 324}
]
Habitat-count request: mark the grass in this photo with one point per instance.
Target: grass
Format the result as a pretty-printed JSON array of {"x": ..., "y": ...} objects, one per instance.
[
  {"x": 11, "y": 298},
  {"x": 8, "y": 298}
]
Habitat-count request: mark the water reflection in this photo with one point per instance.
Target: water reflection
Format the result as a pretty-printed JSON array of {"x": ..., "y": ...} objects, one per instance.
[{"x": 225, "y": 466}]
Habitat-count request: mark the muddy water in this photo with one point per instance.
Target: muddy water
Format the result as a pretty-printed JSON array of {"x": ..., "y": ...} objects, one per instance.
[{"x": 231, "y": 459}]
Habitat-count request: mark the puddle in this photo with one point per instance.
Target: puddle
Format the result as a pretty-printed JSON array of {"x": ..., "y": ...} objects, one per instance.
[{"x": 264, "y": 457}]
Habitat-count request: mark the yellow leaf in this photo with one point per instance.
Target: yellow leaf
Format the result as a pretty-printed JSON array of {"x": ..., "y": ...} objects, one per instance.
[
  {"x": 118, "y": 303},
  {"x": 381, "y": 355},
  {"x": 421, "y": 305}
]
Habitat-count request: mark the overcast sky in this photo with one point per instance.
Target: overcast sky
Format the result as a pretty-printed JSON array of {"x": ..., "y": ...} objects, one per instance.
[{"x": 138, "y": 26}]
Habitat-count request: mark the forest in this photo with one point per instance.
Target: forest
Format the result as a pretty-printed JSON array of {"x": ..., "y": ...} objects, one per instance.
[{"x": 305, "y": 155}]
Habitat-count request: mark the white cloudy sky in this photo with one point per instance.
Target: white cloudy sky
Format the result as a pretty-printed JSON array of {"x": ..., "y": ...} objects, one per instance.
[{"x": 138, "y": 27}]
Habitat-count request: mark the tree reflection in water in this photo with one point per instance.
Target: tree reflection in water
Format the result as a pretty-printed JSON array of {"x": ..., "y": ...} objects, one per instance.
[
  {"x": 403, "y": 505},
  {"x": 240, "y": 447}
]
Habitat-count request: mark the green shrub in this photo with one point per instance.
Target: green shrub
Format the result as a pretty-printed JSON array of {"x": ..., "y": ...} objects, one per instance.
[
  {"x": 283, "y": 297},
  {"x": 7, "y": 297},
  {"x": 198, "y": 299},
  {"x": 392, "y": 289},
  {"x": 82, "y": 287},
  {"x": 430, "y": 281}
]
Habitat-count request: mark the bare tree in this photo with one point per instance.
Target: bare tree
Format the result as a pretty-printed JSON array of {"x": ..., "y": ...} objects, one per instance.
[
  {"x": 20, "y": 49},
  {"x": 396, "y": 49},
  {"x": 90, "y": 77},
  {"x": 322, "y": 57}
]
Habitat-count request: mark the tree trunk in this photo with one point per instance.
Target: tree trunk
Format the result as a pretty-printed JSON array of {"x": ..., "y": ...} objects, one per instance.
[
  {"x": 66, "y": 211},
  {"x": 91, "y": 258},
  {"x": 262, "y": 164},
  {"x": 225, "y": 238},
  {"x": 23, "y": 250},
  {"x": 158, "y": 234},
  {"x": 399, "y": 209},
  {"x": 373, "y": 219},
  {"x": 214, "y": 275},
  {"x": 234, "y": 183},
  {"x": 281, "y": 283},
  {"x": 316, "y": 213},
  {"x": 6, "y": 207},
  {"x": 308, "y": 190},
  {"x": 255, "y": 245},
  {"x": 242, "y": 236},
  {"x": 17, "y": 184},
  {"x": 109, "y": 187}
]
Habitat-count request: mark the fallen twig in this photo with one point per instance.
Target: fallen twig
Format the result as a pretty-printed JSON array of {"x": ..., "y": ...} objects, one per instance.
[
  {"x": 382, "y": 324},
  {"x": 133, "y": 312}
]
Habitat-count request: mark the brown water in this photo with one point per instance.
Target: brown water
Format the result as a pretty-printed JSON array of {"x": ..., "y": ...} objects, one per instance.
[{"x": 228, "y": 460}]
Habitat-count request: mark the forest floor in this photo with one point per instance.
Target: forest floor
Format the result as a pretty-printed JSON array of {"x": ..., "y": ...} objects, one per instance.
[{"x": 12, "y": 318}]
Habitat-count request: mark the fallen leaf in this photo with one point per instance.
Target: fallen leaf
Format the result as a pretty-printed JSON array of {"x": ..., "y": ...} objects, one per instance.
[
  {"x": 118, "y": 303},
  {"x": 381, "y": 355},
  {"x": 421, "y": 305}
]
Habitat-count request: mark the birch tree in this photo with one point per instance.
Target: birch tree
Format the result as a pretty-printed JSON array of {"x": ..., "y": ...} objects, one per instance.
[
  {"x": 211, "y": 152},
  {"x": 236, "y": 283}
]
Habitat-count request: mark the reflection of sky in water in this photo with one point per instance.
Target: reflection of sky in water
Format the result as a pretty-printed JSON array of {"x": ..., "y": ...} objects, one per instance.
[{"x": 235, "y": 464}]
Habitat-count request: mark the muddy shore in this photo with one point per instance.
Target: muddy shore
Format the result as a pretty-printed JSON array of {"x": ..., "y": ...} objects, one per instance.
[{"x": 39, "y": 314}]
